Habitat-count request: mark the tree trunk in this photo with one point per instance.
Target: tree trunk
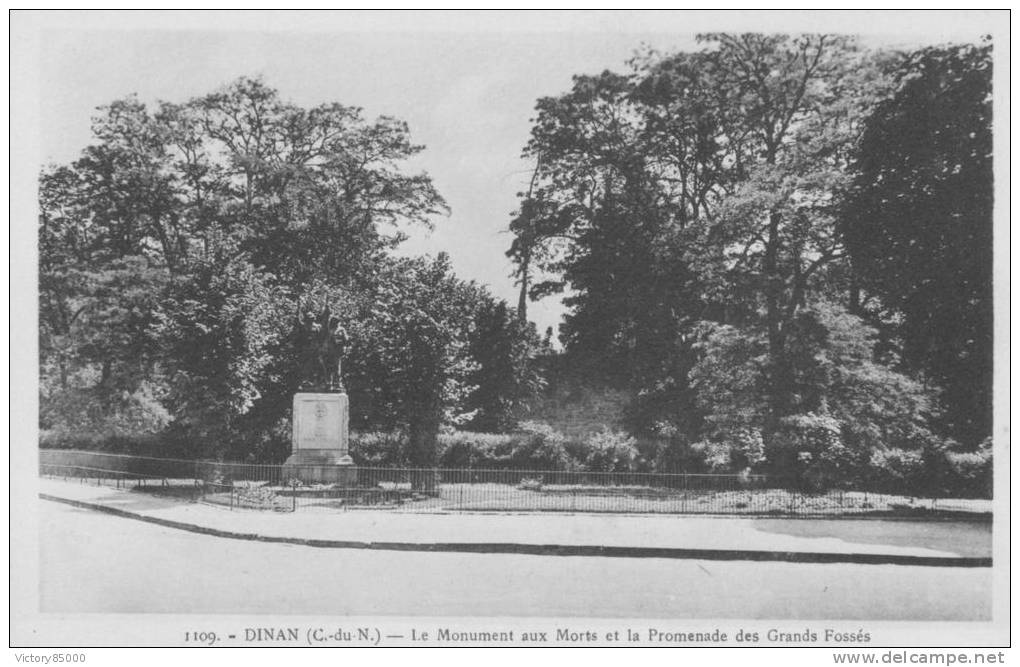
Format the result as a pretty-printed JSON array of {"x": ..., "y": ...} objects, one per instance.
[
  {"x": 855, "y": 295},
  {"x": 780, "y": 380},
  {"x": 522, "y": 299},
  {"x": 423, "y": 440},
  {"x": 105, "y": 372}
]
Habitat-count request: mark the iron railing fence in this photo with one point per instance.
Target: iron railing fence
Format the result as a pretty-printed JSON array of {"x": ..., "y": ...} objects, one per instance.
[{"x": 275, "y": 487}]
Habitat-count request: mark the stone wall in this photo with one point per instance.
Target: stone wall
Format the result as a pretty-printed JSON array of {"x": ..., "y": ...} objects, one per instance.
[{"x": 577, "y": 411}]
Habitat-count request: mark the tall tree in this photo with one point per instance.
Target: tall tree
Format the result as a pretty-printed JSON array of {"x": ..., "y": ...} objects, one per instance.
[
  {"x": 222, "y": 211},
  {"x": 693, "y": 208},
  {"x": 308, "y": 193},
  {"x": 800, "y": 101},
  {"x": 601, "y": 217},
  {"x": 699, "y": 187},
  {"x": 219, "y": 328},
  {"x": 410, "y": 362},
  {"x": 918, "y": 222},
  {"x": 503, "y": 348}
]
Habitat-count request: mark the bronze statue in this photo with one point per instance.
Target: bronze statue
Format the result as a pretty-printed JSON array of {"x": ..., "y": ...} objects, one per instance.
[{"x": 323, "y": 341}]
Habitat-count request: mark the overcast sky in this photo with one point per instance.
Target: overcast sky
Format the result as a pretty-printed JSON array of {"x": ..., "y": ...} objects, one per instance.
[{"x": 467, "y": 96}]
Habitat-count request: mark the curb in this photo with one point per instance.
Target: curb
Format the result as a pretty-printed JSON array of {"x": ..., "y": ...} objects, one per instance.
[{"x": 552, "y": 549}]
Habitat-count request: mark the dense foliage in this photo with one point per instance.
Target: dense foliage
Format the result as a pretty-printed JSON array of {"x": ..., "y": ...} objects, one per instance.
[
  {"x": 777, "y": 248},
  {"x": 918, "y": 223},
  {"x": 700, "y": 213},
  {"x": 179, "y": 251}
]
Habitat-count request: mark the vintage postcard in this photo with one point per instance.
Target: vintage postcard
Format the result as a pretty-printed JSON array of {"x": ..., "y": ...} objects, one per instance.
[{"x": 511, "y": 329}]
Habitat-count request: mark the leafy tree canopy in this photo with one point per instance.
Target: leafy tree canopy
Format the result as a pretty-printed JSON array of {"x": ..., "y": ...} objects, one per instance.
[
  {"x": 918, "y": 222},
  {"x": 177, "y": 252}
]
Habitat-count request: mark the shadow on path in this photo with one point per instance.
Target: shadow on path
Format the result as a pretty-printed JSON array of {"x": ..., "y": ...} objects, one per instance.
[
  {"x": 140, "y": 500},
  {"x": 965, "y": 538}
]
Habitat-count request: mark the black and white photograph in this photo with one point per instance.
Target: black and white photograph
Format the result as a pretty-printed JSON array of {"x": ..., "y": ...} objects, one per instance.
[{"x": 511, "y": 329}]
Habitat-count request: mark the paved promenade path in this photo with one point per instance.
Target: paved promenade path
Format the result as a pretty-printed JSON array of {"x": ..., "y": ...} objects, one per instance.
[
  {"x": 869, "y": 539},
  {"x": 90, "y": 561}
]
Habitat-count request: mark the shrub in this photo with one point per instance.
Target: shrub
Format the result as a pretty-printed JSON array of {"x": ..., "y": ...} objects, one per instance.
[
  {"x": 610, "y": 451},
  {"x": 378, "y": 448},
  {"x": 541, "y": 448},
  {"x": 666, "y": 455},
  {"x": 535, "y": 446},
  {"x": 110, "y": 413},
  {"x": 716, "y": 455},
  {"x": 733, "y": 449},
  {"x": 896, "y": 470},
  {"x": 269, "y": 445},
  {"x": 970, "y": 473},
  {"x": 814, "y": 443},
  {"x": 934, "y": 470},
  {"x": 139, "y": 444},
  {"x": 466, "y": 449}
]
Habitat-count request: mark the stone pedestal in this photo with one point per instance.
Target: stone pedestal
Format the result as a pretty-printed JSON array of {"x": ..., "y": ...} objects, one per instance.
[{"x": 320, "y": 440}]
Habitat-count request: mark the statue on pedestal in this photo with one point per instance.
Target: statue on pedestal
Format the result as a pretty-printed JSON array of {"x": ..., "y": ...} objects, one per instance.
[
  {"x": 320, "y": 420},
  {"x": 323, "y": 341}
]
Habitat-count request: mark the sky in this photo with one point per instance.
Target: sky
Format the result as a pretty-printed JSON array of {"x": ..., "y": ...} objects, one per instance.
[{"x": 467, "y": 96}]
